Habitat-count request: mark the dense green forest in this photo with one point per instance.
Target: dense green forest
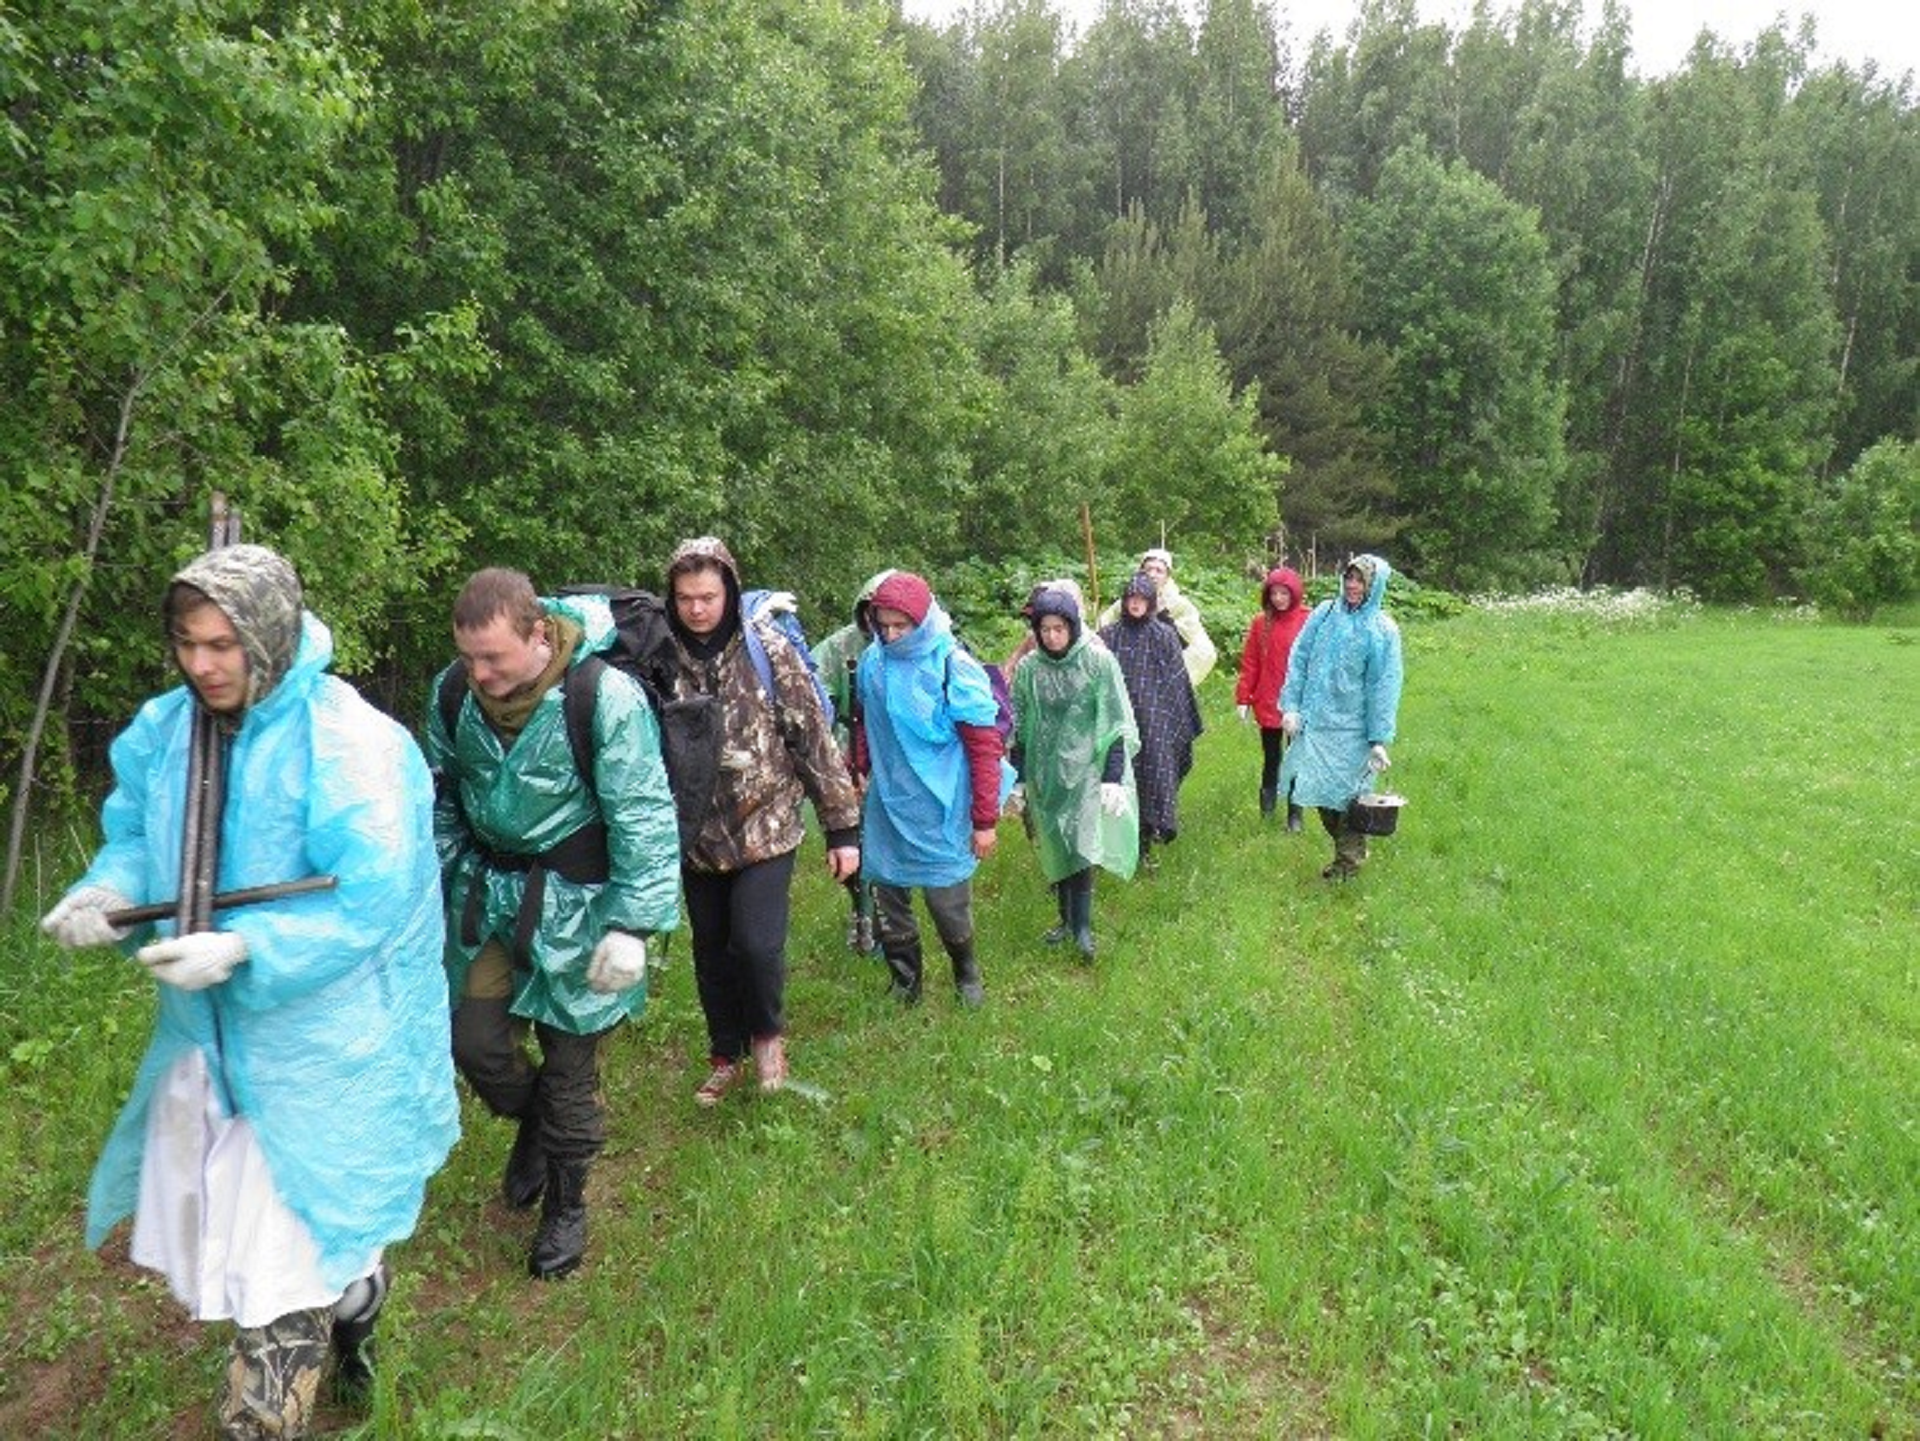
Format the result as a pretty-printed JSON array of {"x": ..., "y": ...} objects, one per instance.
[{"x": 425, "y": 285}]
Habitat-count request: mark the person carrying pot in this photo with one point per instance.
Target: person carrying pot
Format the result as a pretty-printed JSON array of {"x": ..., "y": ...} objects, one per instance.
[{"x": 1339, "y": 706}]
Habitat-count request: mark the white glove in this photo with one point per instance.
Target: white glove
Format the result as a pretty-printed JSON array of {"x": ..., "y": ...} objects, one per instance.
[
  {"x": 619, "y": 962},
  {"x": 1016, "y": 804},
  {"x": 1113, "y": 798},
  {"x": 1377, "y": 760},
  {"x": 80, "y": 919},
  {"x": 205, "y": 958},
  {"x": 1290, "y": 723},
  {"x": 1246, "y": 713},
  {"x": 779, "y": 602}
]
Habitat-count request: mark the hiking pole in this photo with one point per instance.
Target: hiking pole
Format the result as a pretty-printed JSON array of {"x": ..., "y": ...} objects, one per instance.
[
  {"x": 224, "y": 901},
  {"x": 1093, "y": 566},
  {"x": 206, "y": 800}
]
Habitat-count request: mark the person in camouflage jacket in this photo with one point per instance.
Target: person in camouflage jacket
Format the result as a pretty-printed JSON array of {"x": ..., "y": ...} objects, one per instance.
[{"x": 776, "y": 749}]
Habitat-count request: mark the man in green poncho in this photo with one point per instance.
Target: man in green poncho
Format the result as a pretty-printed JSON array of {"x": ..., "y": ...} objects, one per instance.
[{"x": 554, "y": 880}]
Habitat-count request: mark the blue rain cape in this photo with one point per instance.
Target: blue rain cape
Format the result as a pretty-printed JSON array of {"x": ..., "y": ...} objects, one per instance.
[
  {"x": 917, "y": 827},
  {"x": 1343, "y": 679},
  {"x": 332, "y": 1037}
]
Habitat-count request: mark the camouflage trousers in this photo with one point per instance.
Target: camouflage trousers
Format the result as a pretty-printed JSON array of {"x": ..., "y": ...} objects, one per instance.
[{"x": 273, "y": 1376}]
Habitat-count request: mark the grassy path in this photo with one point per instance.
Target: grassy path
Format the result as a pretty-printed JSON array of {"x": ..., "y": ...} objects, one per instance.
[{"x": 1591, "y": 1109}]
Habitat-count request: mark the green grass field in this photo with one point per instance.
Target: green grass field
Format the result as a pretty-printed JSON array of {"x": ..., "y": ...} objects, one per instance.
[{"x": 1591, "y": 1109}]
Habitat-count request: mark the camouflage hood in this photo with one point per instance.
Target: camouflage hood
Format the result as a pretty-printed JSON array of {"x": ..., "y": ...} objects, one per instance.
[{"x": 259, "y": 592}]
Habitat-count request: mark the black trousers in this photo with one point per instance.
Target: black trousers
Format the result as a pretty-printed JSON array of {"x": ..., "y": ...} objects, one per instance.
[
  {"x": 739, "y": 922},
  {"x": 489, "y": 1047}
]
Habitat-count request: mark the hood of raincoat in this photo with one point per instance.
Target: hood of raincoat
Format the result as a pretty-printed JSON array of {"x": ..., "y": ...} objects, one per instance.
[
  {"x": 1165, "y": 557},
  {"x": 258, "y": 591},
  {"x": 1140, "y": 583},
  {"x": 1055, "y": 600},
  {"x": 863, "y": 602},
  {"x": 1376, "y": 572},
  {"x": 1285, "y": 579}
]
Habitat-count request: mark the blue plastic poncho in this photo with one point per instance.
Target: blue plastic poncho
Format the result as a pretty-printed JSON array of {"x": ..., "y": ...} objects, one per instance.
[
  {"x": 917, "y": 827},
  {"x": 526, "y": 798},
  {"x": 1068, "y": 710},
  {"x": 1343, "y": 679},
  {"x": 332, "y": 1037}
]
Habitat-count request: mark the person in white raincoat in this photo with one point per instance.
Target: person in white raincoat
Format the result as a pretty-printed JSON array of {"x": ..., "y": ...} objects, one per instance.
[{"x": 297, "y": 1093}]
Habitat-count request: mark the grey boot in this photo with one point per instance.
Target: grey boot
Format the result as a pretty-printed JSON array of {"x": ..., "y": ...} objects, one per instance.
[
  {"x": 561, "y": 1241},
  {"x": 966, "y": 974},
  {"x": 1267, "y": 795}
]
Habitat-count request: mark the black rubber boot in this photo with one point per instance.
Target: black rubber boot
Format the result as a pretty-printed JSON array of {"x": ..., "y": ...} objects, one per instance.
[
  {"x": 352, "y": 1338},
  {"x": 1082, "y": 918},
  {"x": 1294, "y": 822},
  {"x": 561, "y": 1240},
  {"x": 526, "y": 1174},
  {"x": 1267, "y": 796},
  {"x": 1062, "y": 898},
  {"x": 966, "y": 975},
  {"x": 904, "y": 964}
]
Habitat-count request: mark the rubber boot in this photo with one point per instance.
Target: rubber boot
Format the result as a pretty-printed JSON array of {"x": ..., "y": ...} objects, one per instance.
[
  {"x": 273, "y": 1376},
  {"x": 1294, "y": 820},
  {"x": 1267, "y": 796},
  {"x": 904, "y": 963},
  {"x": 966, "y": 974},
  {"x": 352, "y": 1341},
  {"x": 1064, "y": 900},
  {"x": 1082, "y": 920},
  {"x": 526, "y": 1174},
  {"x": 561, "y": 1240}
]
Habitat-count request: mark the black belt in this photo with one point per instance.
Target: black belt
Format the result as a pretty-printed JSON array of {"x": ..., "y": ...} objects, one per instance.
[{"x": 581, "y": 858}]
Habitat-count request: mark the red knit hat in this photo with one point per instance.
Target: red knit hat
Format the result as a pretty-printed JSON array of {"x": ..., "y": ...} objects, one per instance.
[{"x": 905, "y": 592}]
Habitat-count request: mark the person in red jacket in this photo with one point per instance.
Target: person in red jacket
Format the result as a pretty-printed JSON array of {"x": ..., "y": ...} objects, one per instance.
[{"x": 1263, "y": 670}]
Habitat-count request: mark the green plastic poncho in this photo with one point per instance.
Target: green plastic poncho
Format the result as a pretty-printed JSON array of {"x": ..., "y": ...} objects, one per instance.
[
  {"x": 1068, "y": 711},
  {"x": 525, "y": 800},
  {"x": 332, "y": 1037}
]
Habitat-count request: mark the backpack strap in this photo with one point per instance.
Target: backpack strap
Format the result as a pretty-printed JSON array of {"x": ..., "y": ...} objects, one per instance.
[
  {"x": 579, "y": 694},
  {"x": 453, "y": 690}
]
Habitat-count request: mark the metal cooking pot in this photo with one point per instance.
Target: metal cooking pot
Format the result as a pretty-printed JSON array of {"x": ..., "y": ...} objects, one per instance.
[{"x": 1375, "y": 815}]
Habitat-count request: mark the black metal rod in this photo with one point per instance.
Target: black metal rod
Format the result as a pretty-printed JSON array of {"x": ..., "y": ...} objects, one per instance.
[{"x": 225, "y": 901}]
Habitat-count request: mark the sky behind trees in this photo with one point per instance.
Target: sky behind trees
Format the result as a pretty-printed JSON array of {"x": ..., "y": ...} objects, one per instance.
[{"x": 1663, "y": 30}]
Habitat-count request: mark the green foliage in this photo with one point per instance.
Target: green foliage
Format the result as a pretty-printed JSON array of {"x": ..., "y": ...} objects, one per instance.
[
  {"x": 1189, "y": 457},
  {"x": 166, "y": 157},
  {"x": 1455, "y": 283},
  {"x": 1864, "y": 534}
]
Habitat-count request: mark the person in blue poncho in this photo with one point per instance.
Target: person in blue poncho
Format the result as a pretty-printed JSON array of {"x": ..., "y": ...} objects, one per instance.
[
  {"x": 1339, "y": 706},
  {"x": 928, "y": 746},
  {"x": 558, "y": 867},
  {"x": 297, "y": 1094}
]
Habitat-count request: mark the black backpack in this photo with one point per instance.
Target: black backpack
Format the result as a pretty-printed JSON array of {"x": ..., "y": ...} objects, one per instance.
[{"x": 690, "y": 729}]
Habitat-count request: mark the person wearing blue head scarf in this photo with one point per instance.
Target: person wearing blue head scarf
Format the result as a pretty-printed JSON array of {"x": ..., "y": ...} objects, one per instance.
[{"x": 1340, "y": 704}]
